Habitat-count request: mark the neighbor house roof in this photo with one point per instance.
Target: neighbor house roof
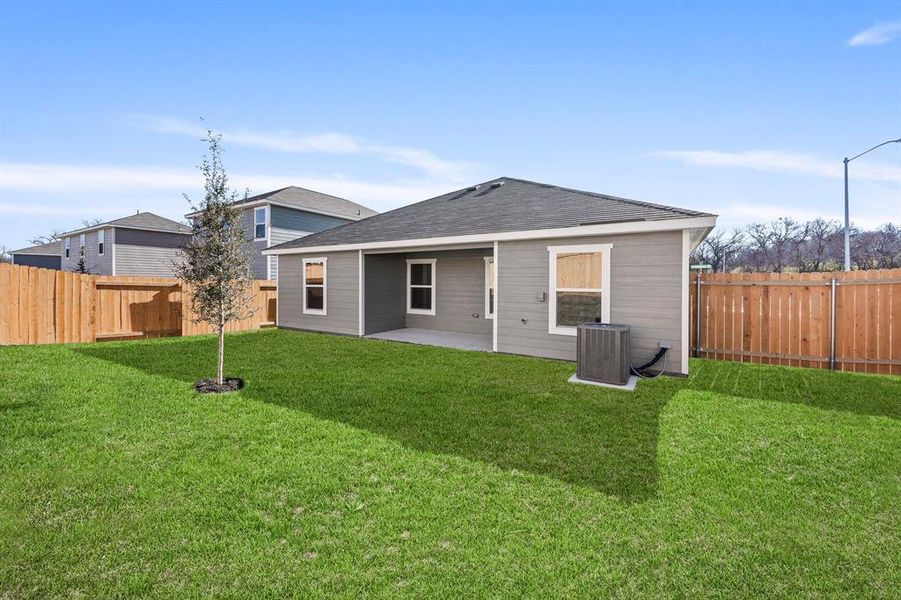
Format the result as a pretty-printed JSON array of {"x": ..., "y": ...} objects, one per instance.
[
  {"x": 500, "y": 205},
  {"x": 308, "y": 200},
  {"x": 51, "y": 249},
  {"x": 143, "y": 220}
]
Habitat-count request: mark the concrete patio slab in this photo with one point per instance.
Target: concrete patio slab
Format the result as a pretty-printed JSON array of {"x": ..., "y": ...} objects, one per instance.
[{"x": 430, "y": 337}]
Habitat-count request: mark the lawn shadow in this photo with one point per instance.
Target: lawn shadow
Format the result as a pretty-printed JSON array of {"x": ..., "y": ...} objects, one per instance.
[
  {"x": 875, "y": 395},
  {"x": 513, "y": 412},
  {"x": 524, "y": 417}
]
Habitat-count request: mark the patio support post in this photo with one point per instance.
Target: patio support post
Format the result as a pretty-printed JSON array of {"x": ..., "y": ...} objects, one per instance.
[{"x": 496, "y": 304}]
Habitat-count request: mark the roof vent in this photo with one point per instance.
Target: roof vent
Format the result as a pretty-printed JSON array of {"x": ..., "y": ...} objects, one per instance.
[{"x": 497, "y": 184}]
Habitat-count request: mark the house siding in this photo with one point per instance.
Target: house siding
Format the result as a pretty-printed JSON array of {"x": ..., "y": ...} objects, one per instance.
[
  {"x": 255, "y": 247},
  {"x": 147, "y": 253},
  {"x": 285, "y": 224},
  {"x": 43, "y": 261},
  {"x": 645, "y": 281},
  {"x": 342, "y": 294},
  {"x": 94, "y": 262},
  {"x": 385, "y": 292},
  {"x": 301, "y": 220},
  {"x": 459, "y": 292}
]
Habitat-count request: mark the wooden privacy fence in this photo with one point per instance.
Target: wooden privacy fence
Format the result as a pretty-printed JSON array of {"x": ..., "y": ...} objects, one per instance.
[
  {"x": 847, "y": 321},
  {"x": 42, "y": 306}
]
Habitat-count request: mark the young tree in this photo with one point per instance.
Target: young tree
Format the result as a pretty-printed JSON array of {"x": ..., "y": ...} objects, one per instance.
[{"x": 215, "y": 265}]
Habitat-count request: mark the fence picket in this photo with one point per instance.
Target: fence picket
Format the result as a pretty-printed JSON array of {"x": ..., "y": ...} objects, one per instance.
[
  {"x": 783, "y": 318},
  {"x": 39, "y": 306}
]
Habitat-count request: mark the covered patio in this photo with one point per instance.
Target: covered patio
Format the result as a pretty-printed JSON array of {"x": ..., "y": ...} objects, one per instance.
[
  {"x": 438, "y": 297},
  {"x": 431, "y": 337}
]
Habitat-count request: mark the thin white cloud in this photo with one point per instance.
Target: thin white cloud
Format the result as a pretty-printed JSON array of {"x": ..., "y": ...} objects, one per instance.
[
  {"x": 784, "y": 162},
  {"x": 161, "y": 182},
  {"x": 322, "y": 143},
  {"x": 881, "y": 33}
]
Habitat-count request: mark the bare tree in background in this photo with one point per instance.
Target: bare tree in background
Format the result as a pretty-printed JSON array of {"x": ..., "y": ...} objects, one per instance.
[
  {"x": 717, "y": 248},
  {"x": 788, "y": 245},
  {"x": 215, "y": 264},
  {"x": 5, "y": 256},
  {"x": 821, "y": 241},
  {"x": 879, "y": 249}
]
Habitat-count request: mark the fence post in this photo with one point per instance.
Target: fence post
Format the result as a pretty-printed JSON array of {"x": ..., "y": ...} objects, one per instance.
[
  {"x": 698, "y": 315},
  {"x": 832, "y": 323}
]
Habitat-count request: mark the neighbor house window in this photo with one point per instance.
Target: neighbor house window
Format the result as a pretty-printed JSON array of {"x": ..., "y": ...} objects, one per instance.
[
  {"x": 68, "y": 243},
  {"x": 489, "y": 287},
  {"x": 81, "y": 245},
  {"x": 421, "y": 286},
  {"x": 314, "y": 286},
  {"x": 259, "y": 223},
  {"x": 579, "y": 286},
  {"x": 101, "y": 238}
]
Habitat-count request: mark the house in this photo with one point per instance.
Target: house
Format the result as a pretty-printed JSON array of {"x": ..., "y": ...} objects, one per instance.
[
  {"x": 508, "y": 265},
  {"x": 141, "y": 244},
  {"x": 45, "y": 256},
  {"x": 288, "y": 213}
]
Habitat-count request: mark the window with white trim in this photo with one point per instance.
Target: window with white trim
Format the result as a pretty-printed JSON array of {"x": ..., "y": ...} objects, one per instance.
[
  {"x": 259, "y": 223},
  {"x": 579, "y": 286},
  {"x": 314, "y": 286},
  {"x": 101, "y": 238},
  {"x": 81, "y": 245},
  {"x": 489, "y": 287},
  {"x": 68, "y": 243},
  {"x": 421, "y": 286}
]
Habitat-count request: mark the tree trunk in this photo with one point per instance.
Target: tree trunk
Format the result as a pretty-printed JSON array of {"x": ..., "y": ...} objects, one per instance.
[{"x": 221, "y": 361}]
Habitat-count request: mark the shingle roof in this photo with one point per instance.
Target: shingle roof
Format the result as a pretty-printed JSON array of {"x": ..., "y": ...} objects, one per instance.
[
  {"x": 499, "y": 205},
  {"x": 316, "y": 201},
  {"x": 51, "y": 249},
  {"x": 143, "y": 220}
]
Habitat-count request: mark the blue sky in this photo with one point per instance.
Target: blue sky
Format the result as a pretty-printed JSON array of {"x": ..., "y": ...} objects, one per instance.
[{"x": 742, "y": 109}]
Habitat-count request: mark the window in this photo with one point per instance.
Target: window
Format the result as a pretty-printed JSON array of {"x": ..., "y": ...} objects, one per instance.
[
  {"x": 421, "y": 286},
  {"x": 81, "y": 245},
  {"x": 314, "y": 283},
  {"x": 101, "y": 237},
  {"x": 68, "y": 240},
  {"x": 579, "y": 286},
  {"x": 259, "y": 223},
  {"x": 489, "y": 287}
]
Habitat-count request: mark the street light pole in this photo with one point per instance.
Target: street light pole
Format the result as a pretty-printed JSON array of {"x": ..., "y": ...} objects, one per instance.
[{"x": 847, "y": 219}]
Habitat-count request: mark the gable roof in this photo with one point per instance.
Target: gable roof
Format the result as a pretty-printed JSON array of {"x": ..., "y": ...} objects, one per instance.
[
  {"x": 51, "y": 249},
  {"x": 500, "y": 205},
  {"x": 142, "y": 220},
  {"x": 311, "y": 201}
]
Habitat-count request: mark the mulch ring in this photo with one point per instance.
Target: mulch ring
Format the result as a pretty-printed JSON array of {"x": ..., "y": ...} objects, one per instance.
[{"x": 209, "y": 386}]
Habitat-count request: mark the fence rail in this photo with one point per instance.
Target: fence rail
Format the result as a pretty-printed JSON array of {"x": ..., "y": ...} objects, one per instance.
[
  {"x": 42, "y": 306},
  {"x": 846, "y": 321}
]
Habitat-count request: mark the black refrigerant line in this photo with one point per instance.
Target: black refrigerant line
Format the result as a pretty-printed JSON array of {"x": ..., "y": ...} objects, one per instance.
[{"x": 644, "y": 370}]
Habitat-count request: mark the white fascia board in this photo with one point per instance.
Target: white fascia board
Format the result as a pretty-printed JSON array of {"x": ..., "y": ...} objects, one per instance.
[
  {"x": 509, "y": 236},
  {"x": 316, "y": 211}
]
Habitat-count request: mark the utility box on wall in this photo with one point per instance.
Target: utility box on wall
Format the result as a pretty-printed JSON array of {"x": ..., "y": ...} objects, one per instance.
[{"x": 602, "y": 352}]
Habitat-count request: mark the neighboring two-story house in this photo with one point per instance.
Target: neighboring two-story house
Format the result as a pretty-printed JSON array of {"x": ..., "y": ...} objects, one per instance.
[
  {"x": 143, "y": 244},
  {"x": 286, "y": 214}
]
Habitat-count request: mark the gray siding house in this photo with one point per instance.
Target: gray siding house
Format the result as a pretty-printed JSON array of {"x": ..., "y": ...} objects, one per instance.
[
  {"x": 286, "y": 214},
  {"x": 142, "y": 244},
  {"x": 508, "y": 265},
  {"x": 45, "y": 256}
]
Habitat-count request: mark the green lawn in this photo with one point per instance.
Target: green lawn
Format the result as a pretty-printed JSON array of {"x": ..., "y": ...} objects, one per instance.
[{"x": 349, "y": 467}]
